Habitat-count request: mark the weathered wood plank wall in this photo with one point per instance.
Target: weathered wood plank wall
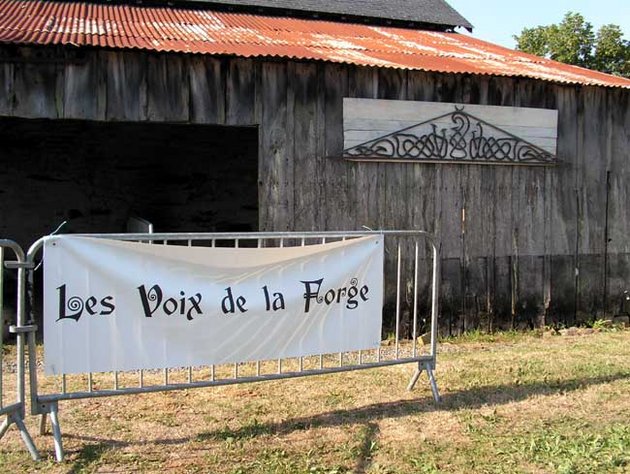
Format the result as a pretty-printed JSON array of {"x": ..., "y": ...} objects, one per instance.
[{"x": 520, "y": 246}]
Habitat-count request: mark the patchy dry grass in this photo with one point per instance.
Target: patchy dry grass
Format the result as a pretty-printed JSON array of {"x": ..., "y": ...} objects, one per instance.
[{"x": 513, "y": 403}]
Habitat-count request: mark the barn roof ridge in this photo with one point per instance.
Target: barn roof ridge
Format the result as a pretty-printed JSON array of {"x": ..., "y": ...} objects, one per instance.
[
  {"x": 203, "y": 31},
  {"x": 431, "y": 14}
]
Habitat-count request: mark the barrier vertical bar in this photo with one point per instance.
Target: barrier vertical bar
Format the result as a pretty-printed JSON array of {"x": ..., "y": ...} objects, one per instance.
[
  {"x": 21, "y": 348},
  {"x": 398, "y": 302},
  {"x": 434, "y": 301},
  {"x": 415, "y": 303},
  {"x": 16, "y": 412},
  {"x": 429, "y": 365},
  {"x": 2, "y": 328}
]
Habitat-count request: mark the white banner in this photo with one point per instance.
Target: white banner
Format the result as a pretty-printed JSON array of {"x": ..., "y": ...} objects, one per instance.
[{"x": 112, "y": 305}]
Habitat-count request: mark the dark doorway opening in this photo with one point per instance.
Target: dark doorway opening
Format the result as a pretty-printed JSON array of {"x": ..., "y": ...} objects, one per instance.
[{"x": 97, "y": 175}]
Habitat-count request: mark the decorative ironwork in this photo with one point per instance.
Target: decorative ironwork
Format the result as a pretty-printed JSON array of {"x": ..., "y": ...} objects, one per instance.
[{"x": 470, "y": 139}]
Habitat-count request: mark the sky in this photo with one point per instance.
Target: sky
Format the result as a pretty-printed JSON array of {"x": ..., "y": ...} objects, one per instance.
[{"x": 496, "y": 21}]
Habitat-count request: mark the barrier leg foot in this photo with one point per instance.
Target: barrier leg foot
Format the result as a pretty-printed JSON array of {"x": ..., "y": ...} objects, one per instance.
[
  {"x": 26, "y": 437},
  {"x": 4, "y": 427},
  {"x": 56, "y": 429},
  {"x": 414, "y": 378},
  {"x": 434, "y": 387},
  {"x": 42, "y": 424}
]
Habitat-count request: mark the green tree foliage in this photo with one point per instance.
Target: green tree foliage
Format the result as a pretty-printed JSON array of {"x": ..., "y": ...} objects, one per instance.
[{"x": 573, "y": 41}]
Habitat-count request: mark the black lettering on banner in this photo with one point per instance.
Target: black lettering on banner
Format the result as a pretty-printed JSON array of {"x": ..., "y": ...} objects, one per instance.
[
  {"x": 278, "y": 300},
  {"x": 194, "y": 303},
  {"x": 352, "y": 293},
  {"x": 152, "y": 301},
  {"x": 229, "y": 304},
  {"x": 170, "y": 306},
  {"x": 73, "y": 307},
  {"x": 74, "y": 304},
  {"x": 107, "y": 302},
  {"x": 345, "y": 295},
  {"x": 154, "y": 295},
  {"x": 310, "y": 293},
  {"x": 363, "y": 292}
]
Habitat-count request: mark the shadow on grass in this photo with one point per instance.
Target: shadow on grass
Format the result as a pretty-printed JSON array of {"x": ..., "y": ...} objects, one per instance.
[
  {"x": 367, "y": 449},
  {"x": 89, "y": 455},
  {"x": 465, "y": 399}
]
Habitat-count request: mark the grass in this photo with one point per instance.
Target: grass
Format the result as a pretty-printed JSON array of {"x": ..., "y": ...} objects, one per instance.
[{"x": 512, "y": 403}]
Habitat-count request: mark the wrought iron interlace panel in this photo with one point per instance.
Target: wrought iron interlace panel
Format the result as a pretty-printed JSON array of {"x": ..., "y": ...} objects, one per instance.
[{"x": 469, "y": 139}]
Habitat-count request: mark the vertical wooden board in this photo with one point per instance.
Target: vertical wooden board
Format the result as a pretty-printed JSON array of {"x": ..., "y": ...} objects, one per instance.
[
  {"x": 393, "y": 196},
  {"x": 397, "y": 195},
  {"x": 421, "y": 177},
  {"x": 500, "y": 92},
  {"x": 421, "y": 182},
  {"x": 564, "y": 212},
  {"x": 306, "y": 182},
  {"x": 531, "y": 196},
  {"x": 618, "y": 271},
  {"x": 451, "y": 321},
  {"x": 502, "y": 298},
  {"x": 486, "y": 215},
  {"x": 449, "y": 179},
  {"x": 529, "y": 202},
  {"x": 277, "y": 149},
  {"x": 126, "y": 85},
  {"x": 563, "y": 290},
  {"x": 363, "y": 83},
  {"x": 420, "y": 86},
  {"x": 472, "y": 237},
  {"x": 240, "y": 92},
  {"x": 590, "y": 288},
  {"x": 288, "y": 182},
  {"x": 36, "y": 91},
  {"x": 475, "y": 298},
  {"x": 6, "y": 89},
  {"x": 592, "y": 169},
  {"x": 84, "y": 89},
  {"x": 475, "y": 199},
  {"x": 320, "y": 135},
  {"x": 619, "y": 212},
  {"x": 530, "y": 304},
  {"x": 448, "y": 213},
  {"x": 551, "y": 102},
  {"x": 424, "y": 196},
  {"x": 337, "y": 211},
  {"x": 619, "y": 197},
  {"x": 450, "y": 237},
  {"x": 167, "y": 88},
  {"x": 207, "y": 89}
]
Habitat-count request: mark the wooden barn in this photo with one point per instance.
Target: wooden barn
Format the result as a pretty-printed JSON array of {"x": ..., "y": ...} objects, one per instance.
[{"x": 272, "y": 115}]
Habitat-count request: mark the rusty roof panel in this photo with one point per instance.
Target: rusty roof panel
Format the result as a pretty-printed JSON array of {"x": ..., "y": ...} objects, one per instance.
[{"x": 169, "y": 29}]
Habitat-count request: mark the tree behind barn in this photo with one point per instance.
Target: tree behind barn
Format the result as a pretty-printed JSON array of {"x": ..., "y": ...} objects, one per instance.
[{"x": 572, "y": 41}]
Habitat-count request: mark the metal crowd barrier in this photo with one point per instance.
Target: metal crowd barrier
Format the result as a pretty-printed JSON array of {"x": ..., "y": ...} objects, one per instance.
[
  {"x": 14, "y": 412},
  {"x": 405, "y": 253}
]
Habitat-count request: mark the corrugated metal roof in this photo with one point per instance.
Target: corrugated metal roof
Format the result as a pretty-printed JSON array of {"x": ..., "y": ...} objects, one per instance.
[{"x": 201, "y": 31}]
